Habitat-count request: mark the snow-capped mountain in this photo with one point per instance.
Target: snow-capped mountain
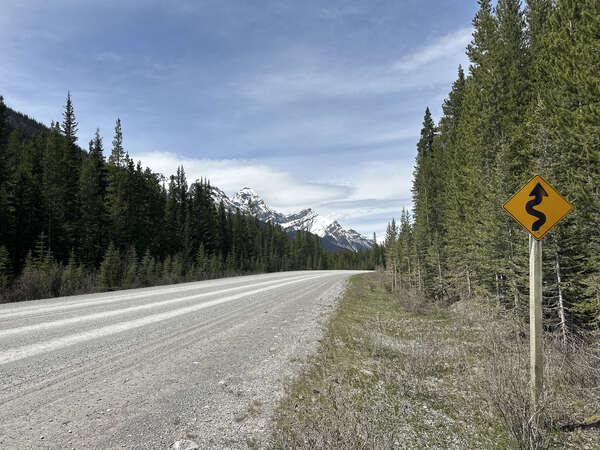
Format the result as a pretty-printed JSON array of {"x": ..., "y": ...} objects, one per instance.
[
  {"x": 248, "y": 200},
  {"x": 334, "y": 236}
]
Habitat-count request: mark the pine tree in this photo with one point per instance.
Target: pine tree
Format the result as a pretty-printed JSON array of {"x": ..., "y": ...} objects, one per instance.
[
  {"x": 69, "y": 124},
  {"x": 92, "y": 190},
  {"x": 130, "y": 268},
  {"x": 116, "y": 195},
  {"x": 146, "y": 269},
  {"x": 110, "y": 269},
  {"x": 69, "y": 170},
  {"x": 202, "y": 263},
  {"x": 117, "y": 155},
  {"x": 52, "y": 189},
  {"x": 427, "y": 207},
  {"x": 71, "y": 277},
  {"x": 391, "y": 253}
]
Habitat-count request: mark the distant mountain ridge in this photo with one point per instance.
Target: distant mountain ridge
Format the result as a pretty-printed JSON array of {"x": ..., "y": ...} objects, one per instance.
[
  {"x": 333, "y": 235},
  {"x": 28, "y": 127}
]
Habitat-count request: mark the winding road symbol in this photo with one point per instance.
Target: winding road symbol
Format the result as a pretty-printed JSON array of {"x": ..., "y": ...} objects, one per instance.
[
  {"x": 539, "y": 193},
  {"x": 537, "y": 207}
]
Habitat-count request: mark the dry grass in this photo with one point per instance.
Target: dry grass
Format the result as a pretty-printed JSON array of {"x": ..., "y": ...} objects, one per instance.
[
  {"x": 570, "y": 400},
  {"x": 398, "y": 373}
]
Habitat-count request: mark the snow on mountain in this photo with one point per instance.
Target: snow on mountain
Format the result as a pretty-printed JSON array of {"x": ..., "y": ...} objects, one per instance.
[
  {"x": 333, "y": 235},
  {"x": 249, "y": 201},
  {"x": 349, "y": 239},
  {"x": 220, "y": 196},
  {"x": 308, "y": 220}
]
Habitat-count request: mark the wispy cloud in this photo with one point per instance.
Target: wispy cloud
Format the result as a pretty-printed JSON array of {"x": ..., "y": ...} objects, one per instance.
[
  {"x": 280, "y": 188},
  {"x": 451, "y": 46},
  {"x": 344, "y": 131},
  {"x": 314, "y": 77}
]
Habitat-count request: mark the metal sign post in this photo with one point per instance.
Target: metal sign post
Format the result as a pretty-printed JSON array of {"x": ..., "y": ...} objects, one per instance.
[{"x": 537, "y": 215}]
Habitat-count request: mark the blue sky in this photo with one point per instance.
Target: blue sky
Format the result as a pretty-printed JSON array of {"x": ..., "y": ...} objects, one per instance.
[{"x": 312, "y": 103}]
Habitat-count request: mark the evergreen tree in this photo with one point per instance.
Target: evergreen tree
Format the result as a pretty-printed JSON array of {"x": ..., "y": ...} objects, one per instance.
[
  {"x": 69, "y": 169},
  {"x": 110, "y": 269},
  {"x": 53, "y": 189},
  {"x": 69, "y": 126},
  {"x": 427, "y": 206},
  {"x": 117, "y": 155},
  {"x": 92, "y": 190},
  {"x": 116, "y": 195}
]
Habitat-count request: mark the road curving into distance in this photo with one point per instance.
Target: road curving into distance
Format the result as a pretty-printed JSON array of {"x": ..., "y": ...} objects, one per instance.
[{"x": 143, "y": 368}]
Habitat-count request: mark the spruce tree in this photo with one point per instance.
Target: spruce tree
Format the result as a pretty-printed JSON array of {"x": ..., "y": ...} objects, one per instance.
[
  {"x": 427, "y": 206},
  {"x": 69, "y": 168},
  {"x": 116, "y": 195},
  {"x": 92, "y": 190},
  {"x": 117, "y": 155},
  {"x": 69, "y": 126}
]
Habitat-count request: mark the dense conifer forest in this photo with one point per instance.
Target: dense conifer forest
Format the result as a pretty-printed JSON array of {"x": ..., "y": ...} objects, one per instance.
[
  {"x": 529, "y": 104},
  {"x": 72, "y": 221}
]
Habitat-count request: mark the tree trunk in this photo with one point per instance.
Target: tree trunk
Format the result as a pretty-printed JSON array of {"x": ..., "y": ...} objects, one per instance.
[
  {"x": 561, "y": 306},
  {"x": 440, "y": 274},
  {"x": 497, "y": 288},
  {"x": 468, "y": 282}
]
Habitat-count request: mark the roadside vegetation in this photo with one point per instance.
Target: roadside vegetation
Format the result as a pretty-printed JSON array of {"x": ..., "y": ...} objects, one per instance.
[
  {"x": 43, "y": 276},
  {"x": 396, "y": 371}
]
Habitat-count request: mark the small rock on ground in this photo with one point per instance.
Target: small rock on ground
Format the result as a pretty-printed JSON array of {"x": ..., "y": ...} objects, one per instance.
[{"x": 185, "y": 444}]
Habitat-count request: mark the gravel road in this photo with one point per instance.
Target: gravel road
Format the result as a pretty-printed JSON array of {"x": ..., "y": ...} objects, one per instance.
[{"x": 145, "y": 368}]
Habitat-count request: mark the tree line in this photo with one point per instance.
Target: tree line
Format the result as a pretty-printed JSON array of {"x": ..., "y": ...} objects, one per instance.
[
  {"x": 530, "y": 104},
  {"x": 73, "y": 221}
]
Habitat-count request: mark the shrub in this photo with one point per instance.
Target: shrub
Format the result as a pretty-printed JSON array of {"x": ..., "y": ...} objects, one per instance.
[{"x": 110, "y": 269}]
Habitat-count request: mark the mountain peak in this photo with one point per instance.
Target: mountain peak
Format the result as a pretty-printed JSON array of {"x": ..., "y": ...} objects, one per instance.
[
  {"x": 247, "y": 193},
  {"x": 248, "y": 190},
  {"x": 333, "y": 235},
  {"x": 247, "y": 196},
  {"x": 248, "y": 200}
]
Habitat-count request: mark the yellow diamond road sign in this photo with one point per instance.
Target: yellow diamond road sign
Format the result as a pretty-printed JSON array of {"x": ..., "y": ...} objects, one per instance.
[{"x": 538, "y": 207}]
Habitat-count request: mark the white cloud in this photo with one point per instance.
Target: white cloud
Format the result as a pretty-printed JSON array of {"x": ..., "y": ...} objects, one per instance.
[
  {"x": 379, "y": 188},
  {"x": 452, "y": 46},
  {"x": 279, "y": 189},
  {"x": 323, "y": 130}
]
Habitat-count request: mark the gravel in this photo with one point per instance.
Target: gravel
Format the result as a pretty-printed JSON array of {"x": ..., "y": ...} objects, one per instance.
[{"x": 204, "y": 371}]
